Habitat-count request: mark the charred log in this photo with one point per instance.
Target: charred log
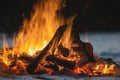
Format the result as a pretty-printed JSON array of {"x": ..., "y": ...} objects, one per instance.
[
  {"x": 13, "y": 64},
  {"x": 26, "y": 58},
  {"x": 85, "y": 48},
  {"x": 53, "y": 43},
  {"x": 63, "y": 50},
  {"x": 61, "y": 62},
  {"x": 89, "y": 51},
  {"x": 75, "y": 35},
  {"x": 53, "y": 67}
]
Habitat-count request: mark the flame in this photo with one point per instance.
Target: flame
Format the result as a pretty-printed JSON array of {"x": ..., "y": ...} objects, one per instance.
[
  {"x": 32, "y": 50},
  {"x": 107, "y": 69},
  {"x": 5, "y": 47},
  {"x": 37, "y": 32},
  {"x": 104, "y": 69}
]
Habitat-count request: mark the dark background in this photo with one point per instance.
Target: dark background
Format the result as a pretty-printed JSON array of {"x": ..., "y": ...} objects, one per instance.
[{"x": 93, "y": 15}]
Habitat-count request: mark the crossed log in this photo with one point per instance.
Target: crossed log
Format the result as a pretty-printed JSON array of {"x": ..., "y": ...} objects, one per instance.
[{"x": 52, "y": 44}]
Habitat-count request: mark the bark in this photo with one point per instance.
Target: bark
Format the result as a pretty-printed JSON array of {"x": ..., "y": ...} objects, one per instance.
[
  {"x": 63, "y": 50},
  {"x": 61, "y": 62},
  {"x": 53, "y": 67}
]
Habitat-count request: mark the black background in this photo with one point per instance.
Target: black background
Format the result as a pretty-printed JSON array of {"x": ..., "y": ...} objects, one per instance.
[{"x": 93, "y": 15}]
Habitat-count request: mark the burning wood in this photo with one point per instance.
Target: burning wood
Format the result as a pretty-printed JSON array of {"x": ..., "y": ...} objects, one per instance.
[
  {"x": 31, "y": 52},
  {"x": 52, "y": 44},
  {"x": 64, "y": 51},
  {"x": 64, "y": 63},
  {"x": 101, "y": 67},
  {"x": 53, "y": 67}
]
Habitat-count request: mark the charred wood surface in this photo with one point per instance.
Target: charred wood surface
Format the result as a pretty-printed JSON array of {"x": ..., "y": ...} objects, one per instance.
[
  {"x": 89, "y": 51},
  {"x": 63, "y": 50},
  {"x": 53, "y": 67},
  {"x": 85, "y": 48},
  {"x": 53, "y": 43},
  {"x": 64, "y": 63},
  {"x": 26, "y": 58}
]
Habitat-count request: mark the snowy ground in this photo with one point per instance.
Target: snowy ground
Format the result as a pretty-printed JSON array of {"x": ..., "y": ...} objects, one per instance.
[
  {"x": 105, "y": 44},
  {"x": 48, "y": 77}
]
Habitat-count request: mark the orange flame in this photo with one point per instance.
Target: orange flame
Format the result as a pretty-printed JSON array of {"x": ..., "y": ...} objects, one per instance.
[
  {"x": 5, "y": 47},
  {"x": 107, "y": 69},
  {"x": 36, "y": 32},
  {"x": 104, "y": 69}
]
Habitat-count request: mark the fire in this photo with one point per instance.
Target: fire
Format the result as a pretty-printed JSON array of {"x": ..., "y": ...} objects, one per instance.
[
  {"x": 5, "y": 55},
  {"x": 36, "y": 32},
  {"x": 107, "y": 69},
  {"x": 19, "y": 68},
  {"x": 99, "y": 70},
  {"x": 32, "y": 50},
  {"x": 104, "y": 69}
]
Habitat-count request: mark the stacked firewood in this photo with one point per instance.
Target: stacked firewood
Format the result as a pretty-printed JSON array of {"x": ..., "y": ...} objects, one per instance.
[{"x": 84, "y": 50}]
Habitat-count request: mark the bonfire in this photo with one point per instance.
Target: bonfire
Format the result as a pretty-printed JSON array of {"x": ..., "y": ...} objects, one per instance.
[{"x": 48, "y": 43}]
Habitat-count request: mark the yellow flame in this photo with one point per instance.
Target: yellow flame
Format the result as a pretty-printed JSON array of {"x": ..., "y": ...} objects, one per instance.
[
  {"x": 97, "y": 67},
  {"x": 37, "y": 31},
  {"x": 5, "y": 47},
  {"x": 66, "y": 38},
  {"x": 104, "y": 69},
  {"x": 107, "y": 69}
]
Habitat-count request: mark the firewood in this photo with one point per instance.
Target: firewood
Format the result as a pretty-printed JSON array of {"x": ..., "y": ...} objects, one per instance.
[
  {"x": 75, "y": 35},
  {"x": 52, "y": 44},
  {"x": 86, "y": 48},
  {"x": 63, "y": 50},
  {"x": 26, "y": 58},
  {"x": 53, "y": 67},
  {"x": 13, "y": 64},
  {"x": 61, "y": 62},
  {"x": 89, "y": 51},
  {"x": 89, "y": 48}
]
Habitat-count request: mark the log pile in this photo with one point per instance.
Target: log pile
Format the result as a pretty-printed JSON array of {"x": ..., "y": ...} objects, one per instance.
[
  {"x": 48, "y": 58},
  {"x": 84, "y": 48}
]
